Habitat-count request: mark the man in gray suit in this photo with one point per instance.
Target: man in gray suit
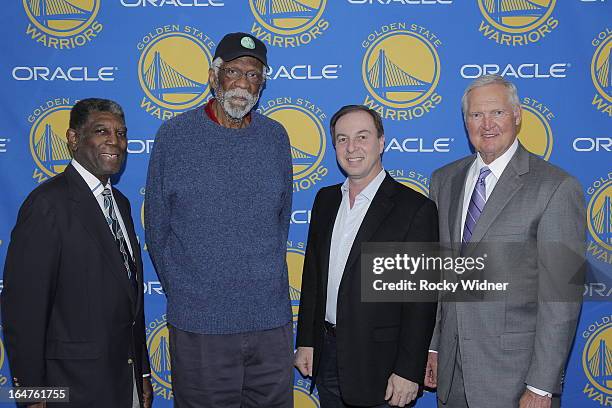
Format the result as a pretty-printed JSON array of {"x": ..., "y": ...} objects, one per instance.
[{"x": 529, "y": 217}]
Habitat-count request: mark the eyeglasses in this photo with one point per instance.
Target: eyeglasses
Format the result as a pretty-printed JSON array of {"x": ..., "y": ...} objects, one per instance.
[{"x": 254, "y": 77}]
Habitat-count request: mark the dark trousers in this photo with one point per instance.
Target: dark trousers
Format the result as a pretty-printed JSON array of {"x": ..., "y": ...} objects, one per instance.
[
  {"x": 244, "y": 370},
  {"x": 327, "y": 377}
]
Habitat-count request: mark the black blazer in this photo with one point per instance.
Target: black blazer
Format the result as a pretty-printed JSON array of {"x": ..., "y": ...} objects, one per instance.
[
  {"x": 69, "y": 313},
  {"x": 374, "y": 339}
]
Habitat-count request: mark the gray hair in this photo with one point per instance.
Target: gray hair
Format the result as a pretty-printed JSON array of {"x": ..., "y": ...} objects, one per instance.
[
  {"x": 491, "y": 79},
  {"x": 216, "y": 64},
  {"x": 82, "y": 109}
]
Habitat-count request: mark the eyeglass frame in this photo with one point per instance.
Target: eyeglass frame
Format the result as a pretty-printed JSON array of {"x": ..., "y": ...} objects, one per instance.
[{"x": 260, "y": 76}]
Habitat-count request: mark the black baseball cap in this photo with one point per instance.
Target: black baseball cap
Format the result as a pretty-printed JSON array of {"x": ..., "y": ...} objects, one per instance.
[{"x": 235, "y": 45}]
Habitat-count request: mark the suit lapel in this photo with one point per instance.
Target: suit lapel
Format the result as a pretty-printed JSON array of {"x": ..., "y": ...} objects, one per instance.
[
  {"x": 456, "y": 204},
  {"x": 88, "y": 211},
  {"x": 507, "y": 186},
  {"x": 129, "y": 226},
  {"x": 379, "y": 208}
]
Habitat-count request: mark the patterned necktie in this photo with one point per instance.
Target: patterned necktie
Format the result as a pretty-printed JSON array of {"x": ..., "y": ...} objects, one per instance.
[
  {"x": 477, "y": 203},
  {"x": 113, "y": 223}
]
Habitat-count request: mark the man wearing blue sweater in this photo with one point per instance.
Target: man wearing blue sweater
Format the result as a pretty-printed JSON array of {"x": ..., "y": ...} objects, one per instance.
[{"x": 217, "y": 216}]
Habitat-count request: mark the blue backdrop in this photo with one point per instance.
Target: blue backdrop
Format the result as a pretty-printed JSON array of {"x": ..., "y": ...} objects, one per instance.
[{"x": 408, "y": 59}]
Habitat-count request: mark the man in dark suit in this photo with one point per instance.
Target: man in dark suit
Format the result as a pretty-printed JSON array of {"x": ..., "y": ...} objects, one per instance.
[
  {"x": 72, "y": 307},
  {"x": 361, "y": 354}
]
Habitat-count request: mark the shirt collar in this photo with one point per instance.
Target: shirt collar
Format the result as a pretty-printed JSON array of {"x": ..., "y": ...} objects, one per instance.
[
  {"x": 94, "y": 184},
  {"x": 370, "y": 190},
  {"x": 498, "y": 165}
]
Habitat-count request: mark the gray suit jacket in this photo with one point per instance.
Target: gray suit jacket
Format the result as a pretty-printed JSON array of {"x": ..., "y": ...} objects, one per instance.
[{"x": 523, "y": 337}]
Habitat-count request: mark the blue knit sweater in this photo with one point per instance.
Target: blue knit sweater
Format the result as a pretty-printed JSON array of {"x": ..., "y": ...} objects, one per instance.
[{"x": 217, "y": 210}]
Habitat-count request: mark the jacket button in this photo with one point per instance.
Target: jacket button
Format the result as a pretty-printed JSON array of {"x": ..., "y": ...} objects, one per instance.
[{"x": 130, "y": 361}]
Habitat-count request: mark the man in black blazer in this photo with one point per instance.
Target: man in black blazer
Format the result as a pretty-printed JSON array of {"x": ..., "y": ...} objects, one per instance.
[
  {"x": 361, "y": 354},
  {"x": 72, "y": 304}
]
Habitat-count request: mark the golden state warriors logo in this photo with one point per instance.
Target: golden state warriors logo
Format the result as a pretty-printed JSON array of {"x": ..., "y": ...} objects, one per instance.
[
  {"x": 535, "y": 133},
  {"x": 601, "y": 73},
  {"x": 413, "y": 179},
  {"x": 517, "y": 22},
  {"x": 62, "y": 24},
  {"x": 48, "y": 144},
  {"x": 173, "y": 69},
  {"x": 288, "y": 23},
  {"x": 401, "y": 70},
  {"x": 599, "y": 219},
  {"x": 303, "y": 120},
  {"x": 159, "y": 356},
  {"x": 597, "y": 361}
]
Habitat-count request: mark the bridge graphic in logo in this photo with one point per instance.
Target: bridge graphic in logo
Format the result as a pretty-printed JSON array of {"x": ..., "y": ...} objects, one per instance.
[
  {"x": 499, "y": 9},
  {"x": 159, "y": 350},
  {"x": 162, "y": 79},
  {"x": 384, "y": 76},
  {"x": 603, "y": 74},
  {"x": 160, "y": 359},
  {"x": 517, "y": 14},
  {"x": 272, "y": 11},
  {"x": 601, "y": 220},
  {"x": 597, "y": 358},
  {"x": 288, "y": 17},
  {"x": 61, "y": 15},
  {"x": 301, "y": 158},
  {"x": 52, "y": 149},
  {"x": 294, "y": 295},
  {"x": 48, "y": 146},
  {"x": 600, "y": 364}
]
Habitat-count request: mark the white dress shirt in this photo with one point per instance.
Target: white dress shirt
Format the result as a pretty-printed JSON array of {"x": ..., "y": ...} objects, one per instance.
[
  {"x": 497, "y": 167},
  {"x": 96, "y": 187},
  {"x": 345, "y": 230}
]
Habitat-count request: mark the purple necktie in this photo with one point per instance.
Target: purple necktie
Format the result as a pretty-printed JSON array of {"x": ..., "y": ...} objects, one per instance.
[{"x": 477, "y": 203}]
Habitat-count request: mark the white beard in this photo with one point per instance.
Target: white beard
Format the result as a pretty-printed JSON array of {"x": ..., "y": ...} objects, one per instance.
[{"x": 236, "y": 112}]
